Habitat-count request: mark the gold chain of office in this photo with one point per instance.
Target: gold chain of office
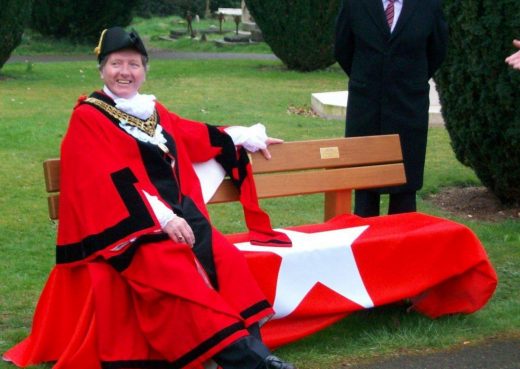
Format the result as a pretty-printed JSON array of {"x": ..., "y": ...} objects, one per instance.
[{"x": 147, "y": 126}]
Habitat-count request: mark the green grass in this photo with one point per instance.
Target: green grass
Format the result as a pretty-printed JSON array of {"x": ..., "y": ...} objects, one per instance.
[{"x": 35, "y": 104}]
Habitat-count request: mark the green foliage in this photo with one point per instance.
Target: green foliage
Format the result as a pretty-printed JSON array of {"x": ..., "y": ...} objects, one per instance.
[
  {"x": 149, "y": 8},
  {"x": 34, "y": 43},
  {"x": 480, "y": 95},
  {"x": 300, "y": 33},
  {"x": 80, "y": 20},
  {"x": 12, "y": 21}
]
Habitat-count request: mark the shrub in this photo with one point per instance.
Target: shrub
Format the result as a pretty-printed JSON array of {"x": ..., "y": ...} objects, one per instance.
[
  {"x": 299, "y": 32},
  {"x": 148, "y": 8},
  {"x": 80, "y": 20},
  {"x": 12, "y": 21},
  {"x": 480, "y": 95}
]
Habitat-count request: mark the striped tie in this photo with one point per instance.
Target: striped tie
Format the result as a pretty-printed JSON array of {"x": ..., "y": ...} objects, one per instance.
[{"x": 389, "y": 11}]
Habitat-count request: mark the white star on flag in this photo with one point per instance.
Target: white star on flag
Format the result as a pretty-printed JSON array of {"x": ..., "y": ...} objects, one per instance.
[{"x": 324, "y": 257}]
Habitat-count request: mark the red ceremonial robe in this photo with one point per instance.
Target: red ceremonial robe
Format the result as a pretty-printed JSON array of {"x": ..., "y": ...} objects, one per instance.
[{"x": 188, "y": 303}]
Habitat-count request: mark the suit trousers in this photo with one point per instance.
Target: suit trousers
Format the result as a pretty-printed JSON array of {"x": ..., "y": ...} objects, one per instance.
[{"x": 367, "y": 202}]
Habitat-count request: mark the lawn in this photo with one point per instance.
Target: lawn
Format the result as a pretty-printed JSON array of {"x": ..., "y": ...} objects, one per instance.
[{"x": 36, "y": 101}]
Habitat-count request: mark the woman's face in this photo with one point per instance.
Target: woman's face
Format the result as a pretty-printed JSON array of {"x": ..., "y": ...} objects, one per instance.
[{"x": 124, "y": 72}]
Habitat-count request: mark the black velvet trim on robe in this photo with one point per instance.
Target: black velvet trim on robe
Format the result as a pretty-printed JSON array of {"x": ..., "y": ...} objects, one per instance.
[
  {"x": 138, "y": 219},
  {"x": 229, "y": 158}
]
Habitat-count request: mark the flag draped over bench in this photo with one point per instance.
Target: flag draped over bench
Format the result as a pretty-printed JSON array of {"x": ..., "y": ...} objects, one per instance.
[
  {"x": 333, "y": 269},
  {"x": 352, "y": 263}
]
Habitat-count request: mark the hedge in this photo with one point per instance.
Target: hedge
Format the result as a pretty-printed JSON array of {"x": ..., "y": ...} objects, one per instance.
[
  {"x": 12, "y": 22},
  {"x": 299, "y": 32},
  {"x": 480, "y": 94}
]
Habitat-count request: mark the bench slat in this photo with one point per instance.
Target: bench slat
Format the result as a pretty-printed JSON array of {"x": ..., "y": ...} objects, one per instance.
[
  {"x": 308, "y": 182},
  {"x": 329, "y": 153}
]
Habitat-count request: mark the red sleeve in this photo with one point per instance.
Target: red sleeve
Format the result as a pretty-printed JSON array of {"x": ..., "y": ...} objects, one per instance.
[{"x": 194, "y": 135}]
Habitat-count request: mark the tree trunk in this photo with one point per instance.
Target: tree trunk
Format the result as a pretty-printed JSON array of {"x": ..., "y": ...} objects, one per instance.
[{"x": 207, "y": 12}]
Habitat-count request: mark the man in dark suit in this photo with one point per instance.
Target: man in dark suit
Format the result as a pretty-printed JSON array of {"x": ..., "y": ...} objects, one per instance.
[{"x": 390, "y": 49}]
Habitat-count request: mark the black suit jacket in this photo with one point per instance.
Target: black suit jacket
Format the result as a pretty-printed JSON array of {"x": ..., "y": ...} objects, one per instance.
[{"x": 389, "y": 72}]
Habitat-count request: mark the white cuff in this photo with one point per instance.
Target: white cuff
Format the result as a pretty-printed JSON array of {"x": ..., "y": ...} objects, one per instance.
[
  {"x": 252, "y": 138},
  {"x": 163, "y": 213}
]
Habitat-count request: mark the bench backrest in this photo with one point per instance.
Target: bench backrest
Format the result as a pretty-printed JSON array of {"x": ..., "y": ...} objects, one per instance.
[{"x": 331, "y": 166}]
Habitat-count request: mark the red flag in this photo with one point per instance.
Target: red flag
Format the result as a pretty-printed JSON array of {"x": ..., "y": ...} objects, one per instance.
[{"x": 438, "y": 264}]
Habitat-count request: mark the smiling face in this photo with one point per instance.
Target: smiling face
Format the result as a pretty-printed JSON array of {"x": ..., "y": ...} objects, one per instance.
[{"x": 123, "y": 72}]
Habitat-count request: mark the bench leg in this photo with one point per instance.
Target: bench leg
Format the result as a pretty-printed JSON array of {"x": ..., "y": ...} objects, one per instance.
[{"x": 337, "y": 203}]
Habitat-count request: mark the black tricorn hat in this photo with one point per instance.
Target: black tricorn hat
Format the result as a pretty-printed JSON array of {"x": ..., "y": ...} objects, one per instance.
[{"x": 116, "y": 38}]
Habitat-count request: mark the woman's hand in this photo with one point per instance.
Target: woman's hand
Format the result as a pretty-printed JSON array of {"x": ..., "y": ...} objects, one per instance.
[
  {"x": 270, "y": 141},
  {"x": 252, "y": 138},
  {"x": 180, "y": 231}
]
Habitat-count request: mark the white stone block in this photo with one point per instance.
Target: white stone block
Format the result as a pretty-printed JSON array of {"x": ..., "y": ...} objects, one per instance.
[{"x": 333, "y": 105}]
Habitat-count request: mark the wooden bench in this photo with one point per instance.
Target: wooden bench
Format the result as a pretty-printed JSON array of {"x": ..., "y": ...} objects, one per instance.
[{"x": 334, "y": 167}]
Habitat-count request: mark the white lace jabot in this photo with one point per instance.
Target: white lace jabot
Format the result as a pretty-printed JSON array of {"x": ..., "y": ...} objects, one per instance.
[{"x": 140, "y": 106}]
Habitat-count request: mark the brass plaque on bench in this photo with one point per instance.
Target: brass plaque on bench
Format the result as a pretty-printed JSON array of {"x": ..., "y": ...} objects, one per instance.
[{"x": 329, "y": 152}]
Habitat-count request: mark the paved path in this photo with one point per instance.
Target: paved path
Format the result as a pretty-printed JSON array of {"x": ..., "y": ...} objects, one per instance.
[
  {"x": 493, "y": 354},
  {"x": 154, "y": 55}
]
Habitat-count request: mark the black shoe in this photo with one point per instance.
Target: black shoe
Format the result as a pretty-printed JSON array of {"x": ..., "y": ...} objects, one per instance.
[{"x": 274, "y": 362}]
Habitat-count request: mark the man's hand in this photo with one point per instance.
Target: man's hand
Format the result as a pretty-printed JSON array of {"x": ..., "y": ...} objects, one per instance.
[
  {"x": 514, "y": 59},
  {"x": 180, "y": 231}
]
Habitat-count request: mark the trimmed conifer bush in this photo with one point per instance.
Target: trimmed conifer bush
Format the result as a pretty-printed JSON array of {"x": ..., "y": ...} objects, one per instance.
[
  {"x": 80, "y": 20},
  {"x": 148, "y": 8},
  {"x": 299, "y": 32},
  {"x": 480, "y": 94},
  {"x": 13, "y": 16}
]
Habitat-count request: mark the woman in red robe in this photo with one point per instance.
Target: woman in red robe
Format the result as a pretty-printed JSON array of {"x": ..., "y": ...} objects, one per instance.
[{"x": 169, "y": 290}]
